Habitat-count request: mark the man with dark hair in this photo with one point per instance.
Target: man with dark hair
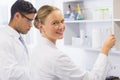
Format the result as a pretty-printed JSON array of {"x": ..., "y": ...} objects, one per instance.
[
  {"x": 112, "y": 78},
  {"x": 14, "y": 58}
]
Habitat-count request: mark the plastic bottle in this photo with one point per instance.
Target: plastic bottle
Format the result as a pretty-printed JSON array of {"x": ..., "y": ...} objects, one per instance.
[{"x": 79, "y": 11}]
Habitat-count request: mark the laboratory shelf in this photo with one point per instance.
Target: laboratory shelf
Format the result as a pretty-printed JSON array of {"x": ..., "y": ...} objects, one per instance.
[{"x": 89, "y": 21}]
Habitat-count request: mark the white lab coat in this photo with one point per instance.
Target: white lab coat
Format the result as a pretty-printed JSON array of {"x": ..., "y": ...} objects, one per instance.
[
  {"x": 49, "y": 63},
  {"x": 14, "y": 63}
]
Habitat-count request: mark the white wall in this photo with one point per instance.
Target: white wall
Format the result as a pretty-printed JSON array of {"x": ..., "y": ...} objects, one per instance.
[{"x": 57, "y": 3}]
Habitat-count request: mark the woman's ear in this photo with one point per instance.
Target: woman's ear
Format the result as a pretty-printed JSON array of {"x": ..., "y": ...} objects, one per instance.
[{"x": 40, "y": 27}]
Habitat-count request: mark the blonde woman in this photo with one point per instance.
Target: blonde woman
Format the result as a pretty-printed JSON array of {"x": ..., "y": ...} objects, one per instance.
[{"x": 49, "y": 63}]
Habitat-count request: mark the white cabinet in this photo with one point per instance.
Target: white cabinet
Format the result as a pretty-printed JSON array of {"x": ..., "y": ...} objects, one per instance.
[{"x": 99, "y": 18}]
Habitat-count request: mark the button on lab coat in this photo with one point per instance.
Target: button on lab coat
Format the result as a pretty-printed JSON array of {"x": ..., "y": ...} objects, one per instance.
[
  {"x": 49, "y": 63},
  {"x": 14, "y": 63}
]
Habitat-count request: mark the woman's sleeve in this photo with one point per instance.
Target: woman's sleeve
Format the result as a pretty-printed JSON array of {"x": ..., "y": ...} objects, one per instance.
[{"x": 67, "y": 70}]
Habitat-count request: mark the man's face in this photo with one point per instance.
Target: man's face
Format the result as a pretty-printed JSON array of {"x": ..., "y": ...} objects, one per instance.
[{"x": 24, "y": 23}]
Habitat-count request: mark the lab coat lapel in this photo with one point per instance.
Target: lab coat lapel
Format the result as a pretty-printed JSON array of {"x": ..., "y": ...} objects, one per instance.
[{"x": 10, "y": 31}]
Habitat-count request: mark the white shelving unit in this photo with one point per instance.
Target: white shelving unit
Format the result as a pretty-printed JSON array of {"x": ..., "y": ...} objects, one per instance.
[
  {"x": 107, "y": 22},
  {"x": 116, "y": 22}
]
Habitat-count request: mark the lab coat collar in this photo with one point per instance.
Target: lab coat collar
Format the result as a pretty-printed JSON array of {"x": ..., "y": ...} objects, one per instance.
[
  {"x": 48, "y": 42},
  {"x": 12, "y": 32}
]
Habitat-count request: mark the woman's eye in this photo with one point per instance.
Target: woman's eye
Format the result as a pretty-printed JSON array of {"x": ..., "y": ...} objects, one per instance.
[
  {"x": 58, "y": 22},
  {"x": 62, "y": 21},
  {"x": 55, "y": 23}
]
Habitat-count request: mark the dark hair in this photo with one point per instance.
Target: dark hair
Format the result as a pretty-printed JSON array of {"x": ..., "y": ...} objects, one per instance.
[
  {"x": 112, "y": 78},
  {"x": 22, "y": 6}
]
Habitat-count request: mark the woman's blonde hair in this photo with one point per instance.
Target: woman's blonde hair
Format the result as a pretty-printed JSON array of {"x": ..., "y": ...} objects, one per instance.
[{"x": 42, "y": 13}]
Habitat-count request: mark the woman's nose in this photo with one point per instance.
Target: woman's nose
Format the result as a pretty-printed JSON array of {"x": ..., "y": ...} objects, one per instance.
[{"x": 61, "y": 26}]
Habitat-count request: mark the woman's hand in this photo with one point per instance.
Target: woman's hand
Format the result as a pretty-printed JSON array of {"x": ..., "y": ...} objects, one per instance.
[{"x": 108, "y": 44}]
